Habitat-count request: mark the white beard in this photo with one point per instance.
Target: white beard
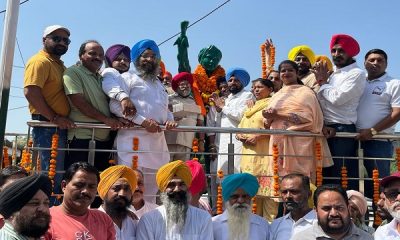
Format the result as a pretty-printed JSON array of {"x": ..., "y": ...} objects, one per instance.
[
  {"x": 395, "y": 213},
  {"x": 238, "y": 221}
]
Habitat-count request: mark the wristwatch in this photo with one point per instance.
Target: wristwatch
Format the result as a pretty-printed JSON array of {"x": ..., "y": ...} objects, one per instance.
[{"x": 373, "y": 131}]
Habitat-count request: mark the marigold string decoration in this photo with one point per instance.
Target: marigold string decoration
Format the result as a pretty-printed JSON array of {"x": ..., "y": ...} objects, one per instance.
[
  {"x": 26, "y": 161},
  {"x": 398, "y": 158},
  {"x": 207, "y": 85},
  {"x": 271, "y": 58},
  {"x": 345, "y": 179},
  {"x": 318, "y": 156},
  {"x": 275, "y": 156},
  {"x": 6, "y": 159},
  {"x": 254, "y": 205},
  {"x": 263, "y": 62},
  {"x": 53, "y": 158},
  {"x": 195, "y": 148},
  {"x": 220, "y": 175},
  {"x": 375, "y": 179},
  {"x": 135, "y": 147}
]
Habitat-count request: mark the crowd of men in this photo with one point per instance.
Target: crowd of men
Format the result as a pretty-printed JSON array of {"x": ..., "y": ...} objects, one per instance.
[{"x": 351, "y": 101}]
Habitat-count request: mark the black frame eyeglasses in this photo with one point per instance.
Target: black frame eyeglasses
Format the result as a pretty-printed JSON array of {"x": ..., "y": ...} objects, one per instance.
[{"x": 58, "y": 39}]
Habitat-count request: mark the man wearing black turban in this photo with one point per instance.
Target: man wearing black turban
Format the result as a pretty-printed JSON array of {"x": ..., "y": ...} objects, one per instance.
[{"x": 24, "y": 205}]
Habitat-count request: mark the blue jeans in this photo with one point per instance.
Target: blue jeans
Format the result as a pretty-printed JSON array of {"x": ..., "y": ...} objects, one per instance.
[
  {"x": 378, "y": 149},
  {"x": 42, "y": 138},
  {"x": 341, "y": 148}
]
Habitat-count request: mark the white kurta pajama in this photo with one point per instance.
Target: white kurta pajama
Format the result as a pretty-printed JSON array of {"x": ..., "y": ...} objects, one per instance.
[
  {"x": 127, "y": 230},
  {"x": 198, "y": 226},
  {"x": 232, "y": 114},
  {"x": 151, "y": 102},
  {"x": 259, "y": 227}
]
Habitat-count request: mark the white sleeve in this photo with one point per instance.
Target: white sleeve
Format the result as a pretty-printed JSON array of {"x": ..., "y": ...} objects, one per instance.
[
  {"x": 236, "y": 112},
  {"x": 352, "y": 87},
  {"x": 395, "y": 91},
  {"x": 143, "y": 232},
  {"x": 112, "y": 84}
]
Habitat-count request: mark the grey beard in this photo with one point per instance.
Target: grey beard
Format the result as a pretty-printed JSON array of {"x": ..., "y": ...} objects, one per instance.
[
  {"x": 176, "y": 212},
  {"x": 238, "y": 221}
]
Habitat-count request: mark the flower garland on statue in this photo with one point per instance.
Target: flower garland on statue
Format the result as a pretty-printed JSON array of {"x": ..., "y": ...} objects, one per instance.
[
  {"x": 6, "y": 159},
  {"x": 220, "y": 175},
  {"x": 275, "y": 156},
  {"x": 135, "y": 158},
  {"x": 375, "y": 179},
  {"x": 53, "y": 158},
  {"x": 207, "y": 85},
  {"x": 195, "y": 148},
  {"x": 318, "y": 156}
]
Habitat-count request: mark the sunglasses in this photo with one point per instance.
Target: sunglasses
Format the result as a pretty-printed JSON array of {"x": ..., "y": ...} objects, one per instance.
[{"x": 58, "y": 39}]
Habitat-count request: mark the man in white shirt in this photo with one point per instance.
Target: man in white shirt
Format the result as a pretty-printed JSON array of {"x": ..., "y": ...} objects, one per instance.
[
  {"x": 237, "y": 221},
  {"x": 295, "y": 192},
  {"x": 176, "y": 218},
  {"x": 391, "y": 189},
  {"x": 139, "y": 205},
  {"x": 232, "y": 110},
  {"x": 115, "y": 188},
  {"x": 378, "y": 112},
  {"x": 148, "y": 95},
  {"x": 339, "y": 96}
]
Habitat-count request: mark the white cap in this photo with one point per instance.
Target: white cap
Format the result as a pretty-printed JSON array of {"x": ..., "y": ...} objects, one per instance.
[{"x": 52, "y": 28}]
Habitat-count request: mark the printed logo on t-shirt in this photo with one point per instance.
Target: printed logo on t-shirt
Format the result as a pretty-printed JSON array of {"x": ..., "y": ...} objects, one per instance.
[
  {"x": 378, "y": 90},
  {"x": 85, "y": 235}
]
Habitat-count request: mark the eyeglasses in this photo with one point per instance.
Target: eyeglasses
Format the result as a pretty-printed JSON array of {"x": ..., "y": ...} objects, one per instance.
[
  {"x": 392, "y": 195},
  {"x": 58, "y": 39}
]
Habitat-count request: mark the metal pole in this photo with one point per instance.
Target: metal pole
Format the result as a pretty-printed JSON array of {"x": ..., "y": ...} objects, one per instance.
[
  {"x": 360, "y": 155},
  {"x": 231, "y": 156},
  {"x": 6, "y": 62}
]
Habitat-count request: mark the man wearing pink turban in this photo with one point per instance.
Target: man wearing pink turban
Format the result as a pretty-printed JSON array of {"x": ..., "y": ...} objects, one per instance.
[
  {"x": 199, "y": 184},
  {"x": 339, "y": 96}
]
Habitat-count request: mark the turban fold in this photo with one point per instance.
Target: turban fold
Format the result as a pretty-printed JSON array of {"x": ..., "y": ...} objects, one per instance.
[
  {"x": 240, "y": 74},
  {"x": 142, "y": 46},
  {"x": 198, "y": 177},
  {"x": 359, "y": 200},
  {"x": 303, "y": 49},
  {"x": 245, "y": 181},
  {"x": 168, "y": 171},
  {"x": 180, "y": 77},
  {"x": 348, "y": 43},
  {"x": 326, "y": 59},
  {"x": 114, "y": 51},
  {"x": 203, "y": 52},
  {"x": 109, "y": 176},
  {"x": 17, "y": 194}
]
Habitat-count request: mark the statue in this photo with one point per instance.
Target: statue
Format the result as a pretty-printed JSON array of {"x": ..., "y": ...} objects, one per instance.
[{"x": 183, "y": 45}]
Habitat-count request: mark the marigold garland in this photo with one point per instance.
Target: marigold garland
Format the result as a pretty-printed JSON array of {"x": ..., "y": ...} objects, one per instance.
[
  {"x": 135, "y": 147},
  {"x": 53, "y": 158},
  {"x": 345, "y": 181},
  {"x": 318, "y": 156},
  {"x": 6, "y": 159},
  {"x": 375, "y": 179},
  {"x": 195, "y": 145},
  {"x": 38, "y": 164},
  {"x": 254, "y": 205},
  {"x": 398, "y": 158},
  {"x": 220, "y": 175},
  {"x": 207, "y": 85},
  {"x": 275, "y": 156},
  {"x": 26, "y": 161},
  {"x": 271, "y": 58},
  {"x": 111, "y": 162},
  {"x": 263, "y": 62}
]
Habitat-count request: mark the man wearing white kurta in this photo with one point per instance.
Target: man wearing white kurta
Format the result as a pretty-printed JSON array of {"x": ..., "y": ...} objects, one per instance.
[
  {"x": 232, "y": 110},
  {"x": 151, "y": 101},
  {"x": 237, "y": 222},
  {"x": 176, "y": 219}
]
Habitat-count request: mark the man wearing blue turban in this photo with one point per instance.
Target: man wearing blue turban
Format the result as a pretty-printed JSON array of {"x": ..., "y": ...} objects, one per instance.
[
  {"x": 232, "y": 110},
  {"x": 237, "y": 221}
]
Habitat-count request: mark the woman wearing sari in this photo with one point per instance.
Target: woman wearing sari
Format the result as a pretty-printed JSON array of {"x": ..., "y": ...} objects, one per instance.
[
  {"x": 257, "y": 144},
  {"x": 295, "y": 107}
]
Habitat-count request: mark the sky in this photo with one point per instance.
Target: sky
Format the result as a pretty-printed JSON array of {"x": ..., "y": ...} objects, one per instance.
[{"x": 237, "y": 29}]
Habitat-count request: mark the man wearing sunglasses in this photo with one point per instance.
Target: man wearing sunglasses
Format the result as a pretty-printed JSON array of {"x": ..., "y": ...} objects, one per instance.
[
  {"x": 43, "y": 88},
  {"x": 391, "y": 189}
]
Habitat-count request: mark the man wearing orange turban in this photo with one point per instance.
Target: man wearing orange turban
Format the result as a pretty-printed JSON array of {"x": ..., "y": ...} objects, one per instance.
[
  {"x": 339, "y": 96},
  {"x": 304, "y": 57},
  {"x": 175, "y": 219},
  {"x": 115, "y": 188}
]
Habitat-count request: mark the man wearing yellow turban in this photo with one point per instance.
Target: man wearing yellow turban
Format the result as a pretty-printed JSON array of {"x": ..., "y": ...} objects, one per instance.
[
  {"x": 175, "y": 219},
  {"x": 115, "y": 188},
  {"x": 304, "y": 56}
]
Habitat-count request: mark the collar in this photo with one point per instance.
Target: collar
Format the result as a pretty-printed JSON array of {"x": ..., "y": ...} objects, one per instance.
[
  {"x": 9, "y": 229},
  {"x": 224, "y": 218},
  {"x": 51, "y": 58},
  {"x": 320, "y": 233},
  {"x": 309, "y": 217},
  {"x": 382, "y": 78},
  {"x": 347, "y": 68},
  {"x": 83, "y": 68}
]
